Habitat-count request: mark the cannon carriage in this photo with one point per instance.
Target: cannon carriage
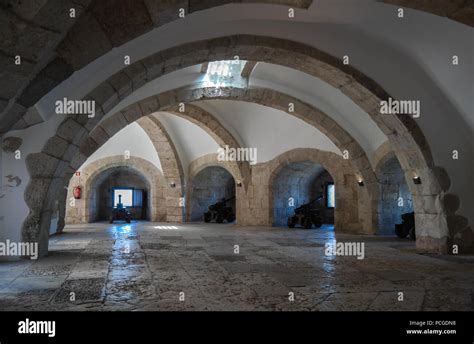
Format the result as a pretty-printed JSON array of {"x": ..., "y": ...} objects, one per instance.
[
  {"x": 219, "y": 212},
  {"x": 307, "y": 215},
  {"x": 407, "y": 227},
  {"x": 120, "y": 213}
]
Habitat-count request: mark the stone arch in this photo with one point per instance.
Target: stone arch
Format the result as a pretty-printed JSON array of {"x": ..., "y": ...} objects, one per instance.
[
  {"x": 405, "y": 136},
  {"x": 88, "y": 179},
  {"x": 55, "y": 46},
  {"x": 210, "y": 160},
  {"x": 382, "y": 152},
  {"x": 172, "y": 172},
  {"x": 172, "y": 168},
  {"x": 267, "y": 97},
  {"x": 216, "y": 130},
  {"x": 346, "y": 214},
  {"x": 73, "y": 137},
  {"x": 171, "y": 165},
  {"x": 70, "y": 50}
]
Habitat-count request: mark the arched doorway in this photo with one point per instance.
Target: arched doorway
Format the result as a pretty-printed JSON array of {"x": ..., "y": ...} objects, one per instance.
[
  {"x": 350, "y": 199},
  {"x": 119, "y": 184},
  {"x": 211, "y": 185},
  {"x": 100, "y": 178},
  {"x": 300, "y": 183}
]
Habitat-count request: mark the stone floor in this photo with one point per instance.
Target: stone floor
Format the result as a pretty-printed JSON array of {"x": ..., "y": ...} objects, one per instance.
[{"x": 145, "y": 266}]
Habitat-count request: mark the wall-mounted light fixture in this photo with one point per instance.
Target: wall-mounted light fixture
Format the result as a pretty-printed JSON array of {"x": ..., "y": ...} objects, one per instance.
[
  {"x": 360, "y": 182},
  {"x": 416, "y": 180},
  {"x": 239, "y": 184},
  {"x": 173, "y": 184}
]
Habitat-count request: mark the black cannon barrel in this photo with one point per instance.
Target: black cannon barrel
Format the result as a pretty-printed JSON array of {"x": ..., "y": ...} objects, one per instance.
[
  {"x": 317, "y": 199},
  {"x": 220, "y": 203},
  {"x": 229, "y": 199}
]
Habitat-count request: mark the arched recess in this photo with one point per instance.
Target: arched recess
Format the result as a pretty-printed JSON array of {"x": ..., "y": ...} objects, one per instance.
[
  {"x": 211, "y": 185},
  {"x": 207, "y": 161},
  {"x": 347, "y": 191},
  {"x": 91, "y": 176},
  {"x": 102, "y": 194},
  {"x": 405, "y": 136},
  {"x": 300, "y": 183},
  {"x": 171, "y": 165}
]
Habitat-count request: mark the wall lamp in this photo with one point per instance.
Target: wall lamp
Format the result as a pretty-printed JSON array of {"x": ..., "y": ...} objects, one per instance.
[
  {"x": 360, "y": 182},
  {"x": 239, "y": 184},
  {"x": 417, "y": 180},
  {"x": 173, "y": 184}
]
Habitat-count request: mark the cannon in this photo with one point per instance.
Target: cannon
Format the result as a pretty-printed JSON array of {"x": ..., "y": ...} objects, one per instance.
[
  {"x": 120, "y": 213},
  {"x": 220, "y": 211},
  {"x": 307, "y": 215},
  {"x": 407, "y": 227}
]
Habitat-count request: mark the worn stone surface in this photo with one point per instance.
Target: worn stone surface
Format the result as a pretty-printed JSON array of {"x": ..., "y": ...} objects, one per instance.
[
  {"x": 77, "y": 48},
  {"x": 11, "y": 144},
  {"x": 144, "y": 267},
  {"x": 395, "y": 198},
  {"x": 131, "y": 16}
]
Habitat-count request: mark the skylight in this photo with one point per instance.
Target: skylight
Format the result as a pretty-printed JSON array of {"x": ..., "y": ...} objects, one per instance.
[{"x": 223, "y": 73}]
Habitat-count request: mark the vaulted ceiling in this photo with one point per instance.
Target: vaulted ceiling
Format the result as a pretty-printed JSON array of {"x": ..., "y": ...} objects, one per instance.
[{"x": 54, "y": 42}]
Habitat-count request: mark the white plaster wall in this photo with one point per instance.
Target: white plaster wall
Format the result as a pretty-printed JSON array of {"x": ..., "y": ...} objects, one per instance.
[
  {"x": 324, "y": 97},
  {"x": 186, "y": 76},
  {"x": 270, "y": 131},
  {"x": 13, "y": 209},
  {"x": 190, "y": 140},
  {"x": 132, "y": 138},
  {"x": 427, "y": 38}
]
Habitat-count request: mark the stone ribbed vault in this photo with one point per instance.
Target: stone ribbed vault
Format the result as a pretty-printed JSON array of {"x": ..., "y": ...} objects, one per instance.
[
  {"x": 406, "y": 138},
  {"x": 53, "y": 45},
  {"x": 270, "y": 98}
]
